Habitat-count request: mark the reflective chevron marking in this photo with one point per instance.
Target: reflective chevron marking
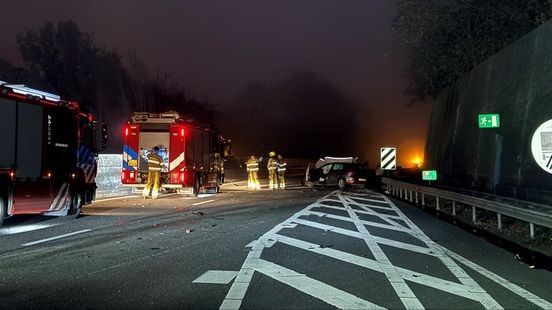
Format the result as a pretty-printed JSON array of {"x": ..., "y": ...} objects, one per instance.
[
  {"x": 400, "y": 278},
  {"x": 388, "y": 158}
]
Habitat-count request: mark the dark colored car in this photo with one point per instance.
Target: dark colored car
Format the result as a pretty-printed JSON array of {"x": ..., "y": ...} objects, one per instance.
[{"x": 342, "y": 175}]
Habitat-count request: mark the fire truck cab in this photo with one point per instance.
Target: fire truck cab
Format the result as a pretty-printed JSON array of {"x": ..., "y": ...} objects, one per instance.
[
  {"x": 47, "y": 156},
  {"x": 193, "y": 154}
]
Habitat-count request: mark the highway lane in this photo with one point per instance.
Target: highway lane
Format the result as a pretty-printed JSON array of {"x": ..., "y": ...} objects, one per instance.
[{"x": 290, "y": 249}]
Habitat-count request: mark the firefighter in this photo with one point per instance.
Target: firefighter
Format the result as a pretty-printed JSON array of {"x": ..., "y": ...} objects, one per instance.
[
  {"x": 272, "y": 166},
  {"x": 252, "y": 173},
  {"x": 218, "y": 166},
  {"x": 155, "y": 163},
  {"x": 281, "y": 168}
]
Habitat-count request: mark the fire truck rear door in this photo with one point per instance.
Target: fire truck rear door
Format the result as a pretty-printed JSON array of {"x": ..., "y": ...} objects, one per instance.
[
  {"x": 176, "y": 153},
  {"x": 32, "y": 185}
]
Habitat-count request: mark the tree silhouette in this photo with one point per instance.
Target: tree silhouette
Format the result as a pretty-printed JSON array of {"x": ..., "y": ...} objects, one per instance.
[{"x": 445, "y": 39}]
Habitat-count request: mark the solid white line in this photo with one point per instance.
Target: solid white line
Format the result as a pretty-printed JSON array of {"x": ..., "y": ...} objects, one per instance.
[
  {"x": 409, "y": 275},
  {"x": 483, "y": 297},
  {"x": 356, "y": 234},
  {"x": 216, "y": 277},
  {"x": 348, "y": 219},
  {"x": 203, "y": 202},
  {"x": 367, "y": 211},
  {"x": 406, "y": 295},
  {"x": 236, "y": 294},
  {"x": 501, "y": 281},
  {"x": 315, "y": 288},
  {"x": 57, "y": 237}
]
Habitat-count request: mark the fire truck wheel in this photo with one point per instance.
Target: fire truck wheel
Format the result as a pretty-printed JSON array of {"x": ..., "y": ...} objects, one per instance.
[
  {"x": 2, "y": 210},
  {"x": 75, "y": 205}
]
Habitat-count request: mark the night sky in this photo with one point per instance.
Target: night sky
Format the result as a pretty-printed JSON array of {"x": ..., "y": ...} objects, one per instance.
[{"x": 214, "y": 48}]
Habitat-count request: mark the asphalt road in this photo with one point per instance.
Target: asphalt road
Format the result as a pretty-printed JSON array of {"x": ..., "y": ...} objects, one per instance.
[{"x": 292, "y": 249}]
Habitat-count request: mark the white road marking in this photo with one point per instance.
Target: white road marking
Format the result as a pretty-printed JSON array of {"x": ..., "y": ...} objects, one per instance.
[
  {"x": 398, "y": 277},
  {"x": 24, "y": 228},
  {"x": 203, "y": 202},
  {"x": 409, "y": 300},
  {"x": 347, "y": 219},
  {"x": 56, "y": 237},
  {"x": 503, "y": 282},
  {"x": 116, "y": 198},
  {"x": 315, "y": 288},
  {"x": 216, "y": 277},
  {"x": 409, "y": 275}
]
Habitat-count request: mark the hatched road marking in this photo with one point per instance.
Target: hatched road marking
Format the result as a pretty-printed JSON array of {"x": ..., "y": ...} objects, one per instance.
[{"x": 388, "y": 217}]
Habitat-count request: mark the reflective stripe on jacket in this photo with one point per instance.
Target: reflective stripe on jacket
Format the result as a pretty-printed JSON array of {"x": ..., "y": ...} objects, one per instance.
[
  {"x": 272, "y": 164},
  {"x": 282, "y": 166},
  {"x": 155, "y": 162},
  {"x": 252, "y": 165}
]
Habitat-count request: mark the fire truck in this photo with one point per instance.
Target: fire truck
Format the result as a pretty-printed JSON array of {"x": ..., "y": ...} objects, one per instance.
[
  {"x": 48, "y": 155},
  {"x": 193, "y": 154}
]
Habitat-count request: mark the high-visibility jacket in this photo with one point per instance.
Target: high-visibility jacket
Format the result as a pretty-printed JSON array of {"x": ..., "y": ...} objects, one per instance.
[
  {"x": 282, "y": 166},
  {"x": 252, "y": 165},
  {"x": 272, "y": 164},
  {"x": 155, "y": 162}
]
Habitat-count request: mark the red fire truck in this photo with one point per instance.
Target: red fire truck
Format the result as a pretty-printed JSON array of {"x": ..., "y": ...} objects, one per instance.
[
  {"x": 48, "y": 153},
  {"x": 193, "y": 153}
]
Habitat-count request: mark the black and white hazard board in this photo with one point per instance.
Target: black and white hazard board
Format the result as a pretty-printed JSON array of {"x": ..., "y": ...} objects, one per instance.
[
  {"x": 388, "y": 157},
  {"x": 541, "y": 146}
]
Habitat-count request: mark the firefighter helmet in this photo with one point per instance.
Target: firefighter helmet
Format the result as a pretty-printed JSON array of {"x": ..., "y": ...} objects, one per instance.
[{"x": 272, "y": 154}]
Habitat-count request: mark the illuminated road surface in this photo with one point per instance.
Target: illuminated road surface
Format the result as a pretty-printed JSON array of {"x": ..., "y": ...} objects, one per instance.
[{"x": 292, "y": 249}]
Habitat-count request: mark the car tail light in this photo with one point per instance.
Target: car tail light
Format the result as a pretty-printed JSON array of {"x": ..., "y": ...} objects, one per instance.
[{"x": 350, "y": 177}]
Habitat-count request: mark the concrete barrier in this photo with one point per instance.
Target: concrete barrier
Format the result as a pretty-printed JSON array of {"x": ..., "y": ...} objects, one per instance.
[{"x": 108, "y": 179}]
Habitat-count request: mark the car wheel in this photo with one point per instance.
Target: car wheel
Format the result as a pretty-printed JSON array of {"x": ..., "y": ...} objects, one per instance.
[{"x": 341, "y": 184}]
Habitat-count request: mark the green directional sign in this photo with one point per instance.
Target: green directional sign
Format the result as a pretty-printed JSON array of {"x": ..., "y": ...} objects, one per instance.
[
  {"x": 489, "y": 120},
  {"x": 429, "y": 175}
]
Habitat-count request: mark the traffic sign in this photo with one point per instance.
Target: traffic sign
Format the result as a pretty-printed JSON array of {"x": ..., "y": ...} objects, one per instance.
[
  {"x": 429, "y": 175},
  {"x": 541, "y": 146},
  {"x": 489, "y": 120},
  {"x": 388, "y": 157}
]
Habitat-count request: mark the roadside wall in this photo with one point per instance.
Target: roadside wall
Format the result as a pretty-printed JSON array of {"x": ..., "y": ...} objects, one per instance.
[{"x": 515, "y": 83}]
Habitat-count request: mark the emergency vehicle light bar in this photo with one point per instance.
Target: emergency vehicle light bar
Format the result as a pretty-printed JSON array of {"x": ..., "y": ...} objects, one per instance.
[
  {"x": 167, "y": 117},
  {"x": 24, "y": 90}
]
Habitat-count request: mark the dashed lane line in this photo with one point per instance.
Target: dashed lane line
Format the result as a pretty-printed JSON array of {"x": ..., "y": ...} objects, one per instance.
[
  {"x": 203, "y": 202},
  {"x": 57, "y": 237}
]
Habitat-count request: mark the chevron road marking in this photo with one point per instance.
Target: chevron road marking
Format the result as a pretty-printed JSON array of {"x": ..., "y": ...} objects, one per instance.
[{"x": 368, "y": 203}]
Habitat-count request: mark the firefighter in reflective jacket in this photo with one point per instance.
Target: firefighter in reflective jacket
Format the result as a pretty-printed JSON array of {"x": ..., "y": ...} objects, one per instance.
[
  {"x": 282, "y": 167},
  {"x": 272, "y": 167},
  {"x": 252, "y": 173},
  {"x": 218, "y": 166},
  {"x": 155, "y": 163}
]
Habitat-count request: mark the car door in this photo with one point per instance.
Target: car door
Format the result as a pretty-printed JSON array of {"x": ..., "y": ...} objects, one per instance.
[
  {"x": 334, "y": 173},
  {"x": 323, "y": 175}
]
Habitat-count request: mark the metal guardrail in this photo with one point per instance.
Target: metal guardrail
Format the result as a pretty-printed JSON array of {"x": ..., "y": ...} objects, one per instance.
[{"x": 415, "y": 193}]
